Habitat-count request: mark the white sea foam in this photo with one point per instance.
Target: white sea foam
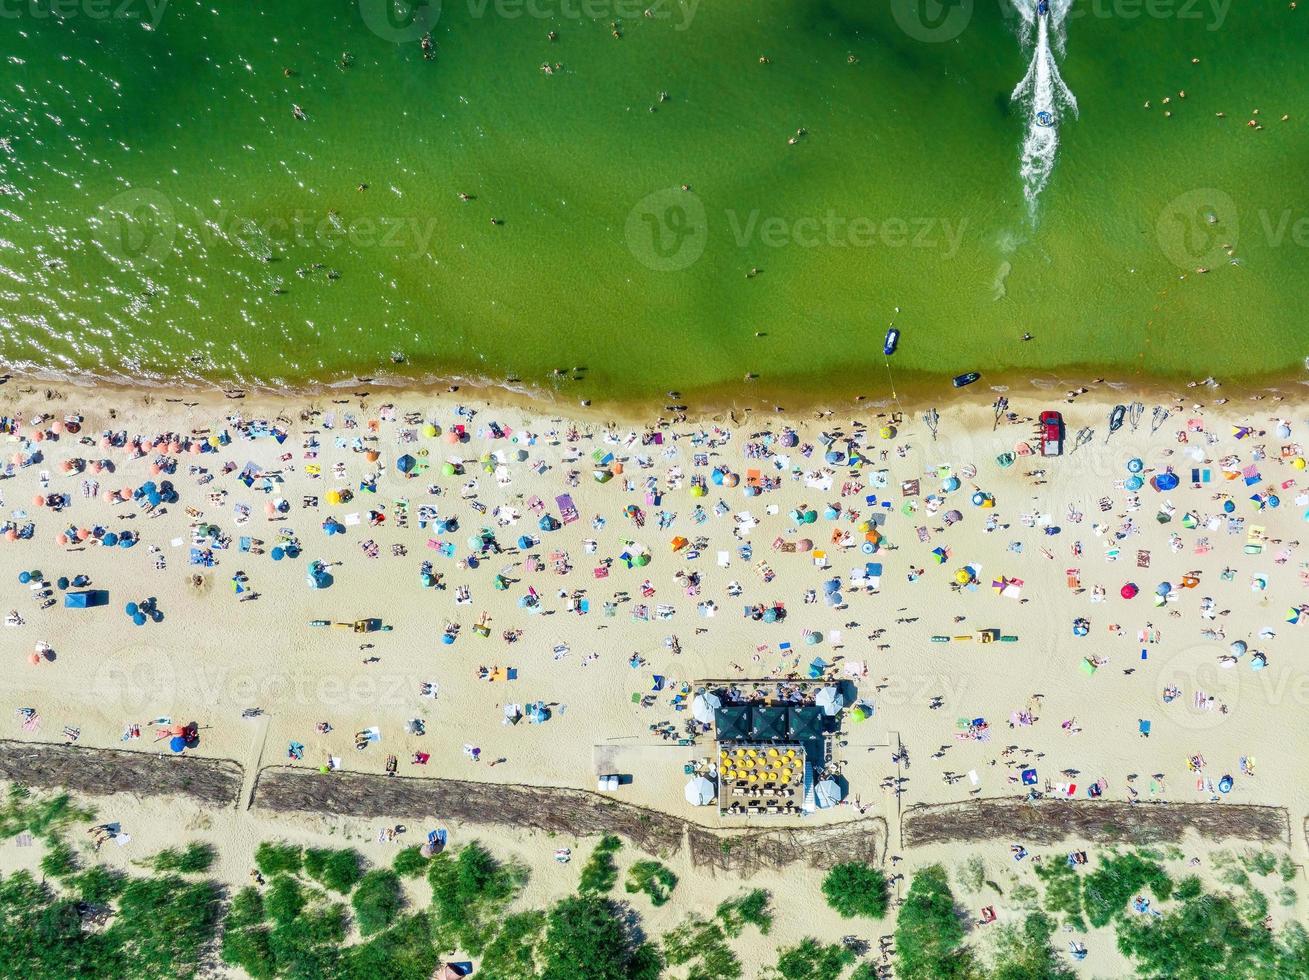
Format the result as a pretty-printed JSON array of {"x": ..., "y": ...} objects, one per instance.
[{"x": 1042, "y": 94}]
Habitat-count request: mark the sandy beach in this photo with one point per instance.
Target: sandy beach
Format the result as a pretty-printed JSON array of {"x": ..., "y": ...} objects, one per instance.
[{"x": 1117, "y": 623}]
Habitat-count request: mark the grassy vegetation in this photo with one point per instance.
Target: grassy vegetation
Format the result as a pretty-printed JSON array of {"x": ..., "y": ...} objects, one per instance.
[
  {"x": 1063, "y": 892},
  {"x": 1120, "y": 877},
  {"x": 377, "y": 900},
  {"x": 929, "y": 935},
  {"x": 275, "y": 857},
  {"x": 749, "y": 909},
  {"x": 469, "y": 893},
  {"x": 338, "y": 870},
  {"x": 1025, "y": 953},
  {"x": 812, "y": 960},
  {"x": 409, "y": 862},
  {"x": 511, "y": 955},
  {"x": 653, "y": 878},
  {"x": 40, "y": 814},
  {"x": 600, "y": 873},
  {"x": 856, "y": 889},
  {"x": 195, "y": 858},
  {"x": 586, "y": 937},
  {"x": 701, "y": 945}
]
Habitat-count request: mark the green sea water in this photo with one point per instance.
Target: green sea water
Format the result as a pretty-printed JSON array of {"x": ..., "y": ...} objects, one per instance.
[{"x": 167, "y": 215}]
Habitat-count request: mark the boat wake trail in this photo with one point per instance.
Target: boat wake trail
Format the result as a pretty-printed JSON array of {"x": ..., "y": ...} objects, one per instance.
[{"x": 1042, "y": 92}]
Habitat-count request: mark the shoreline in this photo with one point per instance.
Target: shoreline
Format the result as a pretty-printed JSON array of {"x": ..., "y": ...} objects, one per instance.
[{"x": 797, "y": 397}]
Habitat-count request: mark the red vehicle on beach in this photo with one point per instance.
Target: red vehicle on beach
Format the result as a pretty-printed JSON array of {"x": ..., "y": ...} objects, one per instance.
[{"x": 1052, "y": 433}]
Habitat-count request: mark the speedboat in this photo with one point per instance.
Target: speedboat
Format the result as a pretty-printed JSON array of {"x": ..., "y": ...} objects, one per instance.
[
  {"x": 964, "y": 380},
  {"x": 1044, "y": 118},
  {"x": 892, "y": 340},
  {"x": 1042, "y": 8},
  {"x": 1116, "y": 418}
]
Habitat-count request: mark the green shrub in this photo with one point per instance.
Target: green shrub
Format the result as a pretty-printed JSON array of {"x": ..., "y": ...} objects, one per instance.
[
  {"x": 247, "y": 909},
  {"x": 811, "y": 960},
  {"x": 59, "y": 860},
  {"x": 165, "y": 925},
  {"x": 652, "y": 878},
  {"x": 856, "y": 889},
  {"x": 285, "y": 900},
  {"x": 751, "y": 908},
  {"x": 337, "y": 870},
  {"x": 251, "y": 950},
  {"x": 278, "y": 857},
  {"x": 512, "y": 954},
  {"x": 1026, "y": 954},
  {"x": 600, "y": 874},
  {"x": 410, "y": 863},
  {"x": 402, "y": 952},
  {"x": 377, "y": 900},
  {"x": 469, "y": 891},
  {"x": 928, "y": 932},
  {"x": 585, "y": 937},
  {"x": 1109, "y": 888},
  {"x": 195, "y": 859},
  {"x": 40, "y": 814},
  {"x": 99, "y": 885},
  {"x": 1063, "y": 892}
]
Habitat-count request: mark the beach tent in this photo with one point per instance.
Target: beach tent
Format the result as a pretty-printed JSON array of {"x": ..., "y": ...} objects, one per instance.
[
  {"x": 829, "y": 700},
  {"x": 88, "y": 599},
  {"x": 732, "y": 724},
  {"x": 768, "y": 724},
  {"x": 700, "y": 791},
  {"x": 827, "y": 794},
  {"x": 405, "y": 463},
  {"x": 704, "y": 706}
]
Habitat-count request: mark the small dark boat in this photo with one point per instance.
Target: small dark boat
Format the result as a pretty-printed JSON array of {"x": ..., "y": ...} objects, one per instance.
[
  {"x": 964, "y": 380},
  {"x": 1044, "y": 118},
  {"x": 892, "y": 341},
  {"x": 1043, "y": 8}
]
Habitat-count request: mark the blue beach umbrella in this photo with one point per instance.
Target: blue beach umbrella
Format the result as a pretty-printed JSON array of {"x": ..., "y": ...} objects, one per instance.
[{"x": 177, "y": 743}]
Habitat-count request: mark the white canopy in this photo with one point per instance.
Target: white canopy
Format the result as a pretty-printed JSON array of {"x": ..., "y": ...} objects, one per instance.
[
  {"x": 700, "y": 791},
  {"x": 830, "y": 700},
  {"x": 704, "y": 706},
  {"x": 827, "y": 793}
]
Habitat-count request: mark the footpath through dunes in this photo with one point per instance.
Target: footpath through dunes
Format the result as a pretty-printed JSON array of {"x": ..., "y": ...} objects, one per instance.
[
  {"x": 569, "y": 811},
  {"x": 1101, "y": 822}
]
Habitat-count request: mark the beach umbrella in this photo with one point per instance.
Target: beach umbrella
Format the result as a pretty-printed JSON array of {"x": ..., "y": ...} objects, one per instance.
[
  {"x": 830, "y": 700},
  {"x": 951, "y": 483},
  {"x": 813, "y": 638},
  {"x": 699, "y": 791},
  {"x": 1129, "y": 591},
  {"x": 804, "y": 544},
  {"x": 887, "y": 432},
  {"x": 24, "y": 577},
  {"x": 1238, "y": 648},
  {"x": 177, "y": 743},
  {"x": 835, "y": 458},
  {"x": 139, "y": 619},
  {"x": 704, "y": 705},
  {"x": 34, "y": 659},
  {"x": 1134, "y": 483},
  {"x": 790, "y": 439},
  {"x": 277, "y": 554},
  {"x": 62, "y": 582},
  {"x": 1283, "y": 431},
  {"x": 717, "y": 477},
  {"x": 827, "y": 794},
  {"x": 1166, "y": 481},
  {"x": 963, "y": 575},
  {"x": 1135, "y": 465},
  {"x": 731, "y": 479},
  {"x": 770, "y": 615},
  {"x": 430, "y": 430},
  {"x": 131, "y": 608},
  {"x": 1164, "y": 588},
  {"x": 109, "y": 540},
  {"x": 405, "y": 463},
  {"x": 860, "y": 712},
  {"x": 952, "y": 516}
]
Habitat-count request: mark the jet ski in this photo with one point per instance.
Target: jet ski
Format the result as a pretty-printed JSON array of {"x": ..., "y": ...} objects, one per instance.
[
  {"x": 963, "y": 380},
  {"x": 1044, "y": 118},
  {"x": 1043, "y": 8},
  {"x": 891, "y": 342}
]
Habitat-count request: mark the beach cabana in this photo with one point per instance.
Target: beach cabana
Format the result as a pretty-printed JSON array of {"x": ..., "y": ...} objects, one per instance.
[
  {"x": 732, "y": 724},
  {"x": 768, "y": 724},
  {"x": 805, "y": 724},
  {"x": 700, "y": 791}
]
